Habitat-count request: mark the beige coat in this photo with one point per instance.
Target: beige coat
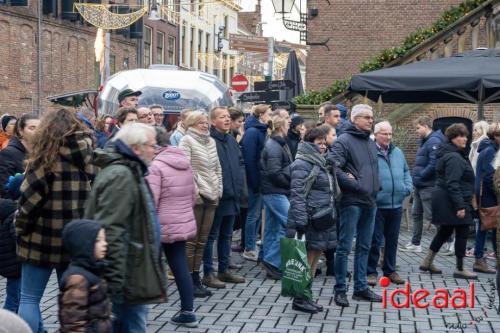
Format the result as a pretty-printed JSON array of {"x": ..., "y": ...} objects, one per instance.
[{"x": 202, "y": 153}]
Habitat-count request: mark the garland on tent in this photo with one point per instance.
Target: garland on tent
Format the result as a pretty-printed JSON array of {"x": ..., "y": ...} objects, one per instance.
[{"x": 386, "y": 56}]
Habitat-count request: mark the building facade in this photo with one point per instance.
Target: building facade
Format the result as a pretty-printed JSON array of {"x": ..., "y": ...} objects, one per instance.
[{"x": 67, "y": 58}]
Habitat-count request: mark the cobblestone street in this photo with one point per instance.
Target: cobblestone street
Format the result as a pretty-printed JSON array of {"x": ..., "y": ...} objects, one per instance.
[{"x": 257, "y": 307}]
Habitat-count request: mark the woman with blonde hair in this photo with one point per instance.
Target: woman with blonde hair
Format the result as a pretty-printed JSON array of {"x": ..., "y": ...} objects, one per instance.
[
  {"x": 275, "y": 170},
  {"x": 201, "y": 151},
  {"x": 479, "y": 133}
]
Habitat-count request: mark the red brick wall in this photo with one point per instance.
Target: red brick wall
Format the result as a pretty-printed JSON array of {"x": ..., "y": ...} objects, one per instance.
[
  {"x": 68, "y": 58},
  {"x": 358, "y": 29}
]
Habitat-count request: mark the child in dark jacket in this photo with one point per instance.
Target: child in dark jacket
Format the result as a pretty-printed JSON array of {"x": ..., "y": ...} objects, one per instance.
[{"x": 84, "y": 305}]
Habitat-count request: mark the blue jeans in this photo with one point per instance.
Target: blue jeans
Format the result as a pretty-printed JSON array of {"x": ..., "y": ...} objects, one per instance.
[
  {"x": 481, "y": 240},
  {"x": 277, "y": 206},
  {"x": 130, "y": 318},
  {"x": 222, "y": 231},
  {"x": 13, "y": 294},
  {"x": 177, "y": 261},
  {"x": 34, "y": 280},
  {"x": 361, "y": 219},
  {"x": 387, "y": 223},
  {"x": 254, "y": 217}
]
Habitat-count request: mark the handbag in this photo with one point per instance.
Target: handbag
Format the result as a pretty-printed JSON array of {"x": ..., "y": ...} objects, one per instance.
[
  {"x": 325, "y": 217},
  {"x": 487, "y": 216}
]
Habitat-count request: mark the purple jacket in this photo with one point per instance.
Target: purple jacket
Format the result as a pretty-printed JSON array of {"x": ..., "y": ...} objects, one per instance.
[{"x": 172, "y": 183}]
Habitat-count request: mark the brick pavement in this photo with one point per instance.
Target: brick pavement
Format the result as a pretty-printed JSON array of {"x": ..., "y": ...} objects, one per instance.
[{"x": 257, "y": 307}]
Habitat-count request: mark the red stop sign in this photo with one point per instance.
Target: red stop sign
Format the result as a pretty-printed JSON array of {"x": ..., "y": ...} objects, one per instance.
[{"x": 239, "y": 82}]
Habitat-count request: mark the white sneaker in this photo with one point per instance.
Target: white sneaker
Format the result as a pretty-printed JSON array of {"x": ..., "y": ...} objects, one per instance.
[
  {"x": 258, "y": 243},
  {"x": 448, "y": 249},
  {"x": 250, "y": 255},
  {"x": 412, "y": 248}
]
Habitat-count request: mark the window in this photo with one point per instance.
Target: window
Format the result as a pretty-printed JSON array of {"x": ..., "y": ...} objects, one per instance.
[
  {"x": 207, "y": 48},
  {"x": 200, "y": 38},
  {"x": 160, "y": 51},
  {"x": 183, "y": 45},
  {"x": 171, "y": 50},
  {"x": 112, "y": 64},
  {"x": 172, "y": 12},
  {"x": 191, "y": 58},
  {"x": 147, "y": 46},
  {"x": 226, "y": 26}
]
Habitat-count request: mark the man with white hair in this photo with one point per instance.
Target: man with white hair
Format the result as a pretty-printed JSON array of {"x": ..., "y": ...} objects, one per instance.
[
  {"x": 396, "y": 184},
  {"x": 121, "y": 202},
  {"x": 355, "y": 156}
]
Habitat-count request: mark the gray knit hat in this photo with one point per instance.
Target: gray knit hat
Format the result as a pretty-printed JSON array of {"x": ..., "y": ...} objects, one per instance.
[{"x": 12, "y": 323}]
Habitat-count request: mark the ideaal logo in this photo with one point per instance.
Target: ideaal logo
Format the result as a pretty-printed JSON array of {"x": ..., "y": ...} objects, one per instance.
[
  {"x": 460, "y": 298},
  {"x": 171, "y": 95}
]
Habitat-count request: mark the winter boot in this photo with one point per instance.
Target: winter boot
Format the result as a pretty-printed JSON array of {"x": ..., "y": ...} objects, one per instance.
[
  {"x": 198, "y": 290},
  {"x": 330, "y": 262},
  {"x": 427, "y": 265},
  {"x": 482, "y": 267},
  {"x": 461, "y": 273}
]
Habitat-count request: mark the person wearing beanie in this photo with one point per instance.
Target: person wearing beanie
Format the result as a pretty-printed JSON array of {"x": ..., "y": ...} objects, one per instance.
[
  {"x": 8, "y": 124},
  {"x": 84, "y": 305},
  {"x": 295, "y": 134}
]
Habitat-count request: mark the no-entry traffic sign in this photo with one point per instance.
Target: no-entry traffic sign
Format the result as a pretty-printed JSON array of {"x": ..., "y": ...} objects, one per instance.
[{"x": 239, "y": 82}]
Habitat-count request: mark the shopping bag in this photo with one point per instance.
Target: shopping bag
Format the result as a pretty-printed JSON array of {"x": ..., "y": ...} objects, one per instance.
[{"x": 296, "y": 278}]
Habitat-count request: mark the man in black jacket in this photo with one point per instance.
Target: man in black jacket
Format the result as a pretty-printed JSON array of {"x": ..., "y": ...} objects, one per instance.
[
  {"x": 355, "y": 156},
  {"x": 231, "y": 163}
]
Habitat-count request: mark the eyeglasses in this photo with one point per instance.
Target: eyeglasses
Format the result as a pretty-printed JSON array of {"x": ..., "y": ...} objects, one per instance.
[
  {"x": 142, "y": 116},
  {"x": 155, "y": 146},
  {"x": 159, "y": 115},
  {"x": 366, "y": 117}
]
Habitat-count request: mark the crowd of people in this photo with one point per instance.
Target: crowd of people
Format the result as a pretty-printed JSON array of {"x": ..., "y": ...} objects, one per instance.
[{"x": 108, "y": 202}]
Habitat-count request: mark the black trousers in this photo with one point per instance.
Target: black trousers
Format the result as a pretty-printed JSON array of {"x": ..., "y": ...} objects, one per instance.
[{"x": 445, "y": 231}]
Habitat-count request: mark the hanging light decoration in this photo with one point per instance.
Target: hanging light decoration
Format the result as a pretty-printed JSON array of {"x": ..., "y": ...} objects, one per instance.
[{"x": 99, "y": 16}]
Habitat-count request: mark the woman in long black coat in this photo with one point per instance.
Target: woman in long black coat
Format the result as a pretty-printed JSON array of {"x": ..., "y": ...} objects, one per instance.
[
  {"x": 452, "y": 199},
  {"x": 312, "y": 202}
]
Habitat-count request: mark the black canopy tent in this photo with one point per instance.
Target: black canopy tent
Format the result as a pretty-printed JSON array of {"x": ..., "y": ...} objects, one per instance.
[{"x": 470, "y": 77}]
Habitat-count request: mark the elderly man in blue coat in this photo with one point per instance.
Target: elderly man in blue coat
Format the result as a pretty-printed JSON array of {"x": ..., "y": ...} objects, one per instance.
[{"x": 396, "y": 184}]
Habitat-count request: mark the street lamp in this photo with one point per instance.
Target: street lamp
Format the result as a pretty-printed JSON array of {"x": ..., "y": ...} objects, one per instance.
[
  {"x": 153, "y": 13},
  {"x": 283, "y": 6}
]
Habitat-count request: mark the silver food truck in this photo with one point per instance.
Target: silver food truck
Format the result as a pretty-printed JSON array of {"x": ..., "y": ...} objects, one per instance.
[{"x": 167, "y": 86}]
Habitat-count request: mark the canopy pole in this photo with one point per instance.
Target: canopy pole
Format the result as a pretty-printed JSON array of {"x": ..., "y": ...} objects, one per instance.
[{"x": 480, "y": 111}]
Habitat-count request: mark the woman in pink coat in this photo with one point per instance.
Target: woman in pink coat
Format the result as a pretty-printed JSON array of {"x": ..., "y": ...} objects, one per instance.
[{"x": 171, "y": 181}]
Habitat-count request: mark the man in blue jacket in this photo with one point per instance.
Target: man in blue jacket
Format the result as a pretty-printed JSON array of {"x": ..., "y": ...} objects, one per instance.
[
  {"x": 252, "y": 144},
  {"x": 396, "y": 184},
  {"x": 423, "y": 180},
  {"x": 355, "y": 156}
]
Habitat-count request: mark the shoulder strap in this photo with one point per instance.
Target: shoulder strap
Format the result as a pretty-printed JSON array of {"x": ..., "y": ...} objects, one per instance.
[{"x": 309, "y": 181}]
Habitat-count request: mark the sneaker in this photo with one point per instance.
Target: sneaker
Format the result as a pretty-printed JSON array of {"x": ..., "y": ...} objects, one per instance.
[
  {"x": 448, "y": 249},
  {"x": 367, "y": 295},
  {"x": 412, "y": 248},
  {"x": 237, "y": 248},
  {"x": 170, "y": 275},
  {"x": 185, "y": 318},
  {"x": 491, "y": 255},
  {"x": 371, "y": 279},
  {"x": 470, "y": 252},
  {"x": 250, "y": 255},
  {"x": 235, "y": 266}
]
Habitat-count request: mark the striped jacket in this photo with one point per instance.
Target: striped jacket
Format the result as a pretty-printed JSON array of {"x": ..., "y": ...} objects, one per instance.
[
  {"x": 49, "y": 200},
  {"x": 202, "y": 153}
]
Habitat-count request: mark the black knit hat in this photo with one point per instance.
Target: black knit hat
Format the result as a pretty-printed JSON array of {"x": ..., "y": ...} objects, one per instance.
[
  {"x": 6, "y": 120},
  {"x": 297, "y": 120}
]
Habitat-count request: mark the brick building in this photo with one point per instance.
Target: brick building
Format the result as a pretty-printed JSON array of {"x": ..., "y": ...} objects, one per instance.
[
  {"x": 358, "y": 30},
  {"x": 67, "y": 57}
]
